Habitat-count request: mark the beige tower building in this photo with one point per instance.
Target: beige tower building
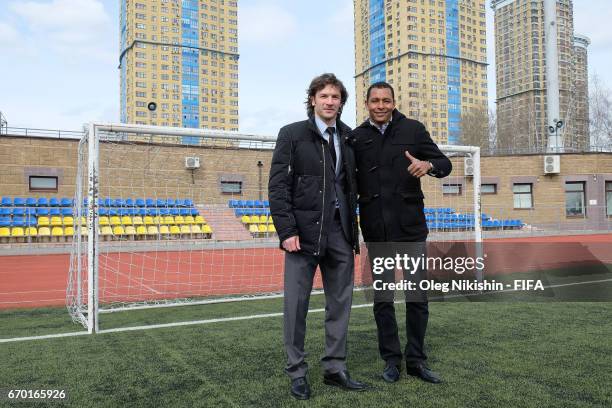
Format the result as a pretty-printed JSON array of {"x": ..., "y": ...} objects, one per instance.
[
  {"x": 581, "y": 139},
  {"x": 521, "y": 68},
  {"x": 433, "y": 52},
  {"x": 179, "y": 63}
]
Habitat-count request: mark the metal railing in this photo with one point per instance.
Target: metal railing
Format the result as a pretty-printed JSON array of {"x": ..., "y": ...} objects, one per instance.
[{"x": 47, "y": 133}]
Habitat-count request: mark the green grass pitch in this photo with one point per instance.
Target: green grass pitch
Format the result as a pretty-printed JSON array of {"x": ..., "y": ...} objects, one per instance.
[{"x": 489, "y": 354}]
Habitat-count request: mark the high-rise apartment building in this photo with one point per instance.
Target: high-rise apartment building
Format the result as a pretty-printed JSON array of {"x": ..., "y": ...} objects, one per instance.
[
  {"x": 522, "y": 78},
  {"x": 433, "y": 52},
  {"x": 179, "y": 63}
]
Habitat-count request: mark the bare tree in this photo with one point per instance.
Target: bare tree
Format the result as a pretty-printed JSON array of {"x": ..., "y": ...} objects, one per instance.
[
  {"x": 475, "y": 128},
  {"x": 600, "y": 114},
  {"x": 492, "y": 130}
]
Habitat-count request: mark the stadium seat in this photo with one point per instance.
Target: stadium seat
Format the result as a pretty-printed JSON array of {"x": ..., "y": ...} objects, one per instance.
[
  {"x": 250, "y": 203},
  {"x": 170, "y": 202},
  {"x": 188, "y": 202},
  {"x": 266, "y": 203},
  {"x": 31, "y": 202},
  {"x": 17, "y": 232},
  {"x": 42, "y": 202},
  {"x": 5, "y": 211},
  {"x": 253, "y": 229},
  {"x": 54, "y": 202},
  {"x": 5, "y": 232},
  {"x": 149, "y": 202},
  {"x": 66, "y": 202},
  {"x": 137, "y": 221},
  {"x": 55, "y": 212},
  {"x": 103, "y": 211},
  {"x": 115, "y": 221},
  {"x": 189, "y": 220},
  {"x": 5, "y": 221},
  {"x": 113, "y": 212},
  {"x": 107, "y": 202},
  {"x": 122, "y": 212},
  {"x": 271, "y": 228},
  {"x": 84, "y": 231},
  {"x": 106, "y": 230},
  {"x": 152, "y": 211},
  {"x": 164, "y": 211},
  {"x": 19, "y": 211},
  {"x": 168, "y": 220},
  {"x": 185, "y": 229},
  {"x": 44, "y": 232},
  {"x": 129, "y": 202},
  {"x": 174, "y": 211},
  {"x": 179, "y": 220},
  {"x": 31, "y": 231},
  {"x": 104, "y": 221},
  {"x": 118, "y": 202},
  {"x": 141, "y": 212},
  {"x": 184, "y": 211},
  {"x": 56, "y": 221},
  {"x": 263, "y": 228},
  {"x": 125, "y": 220},
  {"x": 206, "y": 229},
  {"x": 30, "y": 211},
  {"x": 157, "y": 220},
  {"x": 160, "y": 202},
  {"x": 19, "y": 202},
  {"x": 118, "y": 230},
  {"x": 69, "y": 221},
  {"x": 255, "y": 219},
  {"x": 148, "y": 220},
  {"x": 152, "y": 230},
  {"x": 141, "y": 230},
  {"x": 130, "y": 230},
  {"x": 199, "y": 219},
  {"x": 245, "y": 219},
  {"x": 140, "y": 202},
  {"x": 68, "y": 231},
  {"x": 7, "y": 201},
  {"x": 175, "y": 230},
  {"x": 195, "y": 229},
  {"x": 57, "y": 232}
]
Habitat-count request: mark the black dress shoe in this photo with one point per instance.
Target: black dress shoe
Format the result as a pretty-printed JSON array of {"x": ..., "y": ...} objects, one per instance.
[
  {"x": 300, "y": 388},
  {"x": 391, "y": 374},
  {"x": 343, "y": 380},
  {"x": 421, "y": 371}
]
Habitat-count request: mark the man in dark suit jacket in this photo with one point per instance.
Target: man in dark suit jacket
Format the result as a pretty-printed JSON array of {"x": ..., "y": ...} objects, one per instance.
[
  {"x": 313, "y": 203},
  {"x": 392, "y": 153}
]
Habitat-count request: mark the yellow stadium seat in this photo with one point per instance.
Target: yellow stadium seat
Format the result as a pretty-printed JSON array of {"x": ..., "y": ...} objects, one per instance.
[
  {"x": 152, "y": 230},
  {"x": 148, "y": 220},
  {"x": 271, "y": 228},
  {"x": 189, "y": 220},
  {"x": 56, "y": 221},
  {"x": 196, "y": 229},
  {"x": 253, "y": 229},
  {"x": 57, "y": 232},
  {"x": 142, "y": 230},
  {"x": 84, "y": 230},
  {"x": 206, "y": 229},
  {"x": 68, "y": 221},
  {"x": 130, "y": 230},
  {"x": 245, "y": 219},
  {"x": 68, "y": 231},
  {"x": 199, "y": 219},
  {"x": 104, "y": 221},
  {"x": 126, "y": 220},
  {"x": 43, "y": 221},
  {"x": 115, "y": 221},
  {"x": 118, "y": 230},
  {"x": 137, "y": 221},
  {"x": 179, "y": 220},
  {"x": 106, "y": 230},
  {"x": 157, "y": 220},
  {"x": 5, "y": 233},
  {"x": 83, "y": 221},
  {"x": 263, "y": 228},
  {"x": 31, "y": 231},
  {"x": 255, "y": 219},
  {"x": 175, "y": 230},
  {"x": 163, "y": 229},
  {"x": 185, "y": 229},
  {"x": 168, "y": 220},
  {"x": 17, "y": 232},
  {"x": 44, "y": 232}
]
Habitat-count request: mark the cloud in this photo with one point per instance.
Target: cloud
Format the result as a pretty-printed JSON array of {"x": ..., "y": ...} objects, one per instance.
[
  {"x": 8, "y": 34},
  {"x": 265, "y": 24},
  {"x": 69, "y": 26},
  {"x": 343, "y": 17}
]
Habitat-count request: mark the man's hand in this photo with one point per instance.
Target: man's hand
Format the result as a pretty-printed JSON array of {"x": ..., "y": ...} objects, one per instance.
[
  {"x": 292, "y": 244},
  {"x": 418, "y": 168}
]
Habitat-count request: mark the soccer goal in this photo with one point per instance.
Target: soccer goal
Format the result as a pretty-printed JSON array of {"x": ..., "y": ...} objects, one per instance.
[{"x": 167, "y": 217}]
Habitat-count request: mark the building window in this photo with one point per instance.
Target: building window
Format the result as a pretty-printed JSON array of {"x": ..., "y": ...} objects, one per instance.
[
  {"x": 609, "y": 198},
  {"x": 574, "y": 199},
  {"x": 488, "y": 189},
  {"x": 523, "y": 195},
  {"x": 43, "y": 183},
  {"x": 451, "y": 189},
  {"x": 231, "y": 187}
]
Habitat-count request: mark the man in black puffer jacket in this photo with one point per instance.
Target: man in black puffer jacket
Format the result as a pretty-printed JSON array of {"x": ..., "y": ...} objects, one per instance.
[
  {"x": 392, "y": 153},
  {"x": 312, "y": 195}
]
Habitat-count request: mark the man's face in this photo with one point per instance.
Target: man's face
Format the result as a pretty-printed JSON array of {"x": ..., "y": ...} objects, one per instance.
[
  {"x": 326, "y": 102},
  {"x": 380, "y": 105}
]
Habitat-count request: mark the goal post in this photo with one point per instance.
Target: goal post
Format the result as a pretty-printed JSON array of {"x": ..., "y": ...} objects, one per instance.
[{"x": 168, "y": 217}]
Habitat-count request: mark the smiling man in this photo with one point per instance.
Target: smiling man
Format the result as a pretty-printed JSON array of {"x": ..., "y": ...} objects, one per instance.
[
  {"x": 392, "y": 153},
  {"x": 312, "y": 196}
]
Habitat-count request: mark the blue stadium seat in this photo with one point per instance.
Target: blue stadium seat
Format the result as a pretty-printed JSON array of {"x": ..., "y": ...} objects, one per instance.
[
  {"x": 267, "y": 211},
  {"x": 6, "y": 211},
  {"x": 67, "y": 212},
  {"x": 66, "y": 202},
  {"x": 42, "y": 202},
  {"x": 188, "y": 202},
  {"x": 258, "y": 211},
  {"x": 118, "y": 202},
  {"x": 174, "y": 211},
  {"x": 19, "y": 202},
  {"x": 18, "y": 222},
  {"x": 184, "y": 211},
  {"x": 232, "y": 203},
  {"x": 31, "y": 221},
  {"x": 7, "y": 201},
  {"x": 133, "y": 211},
  {"x": 141, "y": 211},
  {"x": 122, "y": 211},
  {"x": 5, "y": 221},
  {"x": 258, "y": 203},
  {"x": 150, "y": 202},
  {"x": 164, "y": 211},
  {"x": 194, "y": 211},
  {"x": 160, "y": 202},
  {"x": 107, "y": 202},
  {"x": 171, "y": 202},
  {"x": 103, "y": 211},
  {"x": 31, "y": 202},
  {"x": 250, "y": 203},
  {"x": 54, "y": 212},
  {"x": 140, "y": 202},
  {"x": 41, "y": 211},
  {"x": 113, "y": 212},
  {"x": 19, "y": 211},
  {"x": 129, "y": 202},
  {"x": 152, "y": 211},
  {"x": 54, "y": 202},
  {"x": 30, "y": 211},
  {"x": 266, "y": 203}
]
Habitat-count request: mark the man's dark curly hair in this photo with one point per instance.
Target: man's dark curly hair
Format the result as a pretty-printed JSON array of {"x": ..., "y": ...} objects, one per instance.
[{"x": 321, "y": 82}]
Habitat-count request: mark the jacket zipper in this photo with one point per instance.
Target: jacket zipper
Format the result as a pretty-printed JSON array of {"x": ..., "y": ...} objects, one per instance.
[{"x": 323, "y": 207}]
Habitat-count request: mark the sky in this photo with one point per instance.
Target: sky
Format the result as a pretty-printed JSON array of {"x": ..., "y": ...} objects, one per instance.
[{"x": 59, "y": 58}]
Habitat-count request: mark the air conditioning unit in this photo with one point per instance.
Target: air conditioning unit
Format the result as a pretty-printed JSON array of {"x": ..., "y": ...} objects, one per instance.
[
  {"x": 468, "y": 166},
  {"x": 552, "y": 164},
  {"x": 192, "y": 163}
]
